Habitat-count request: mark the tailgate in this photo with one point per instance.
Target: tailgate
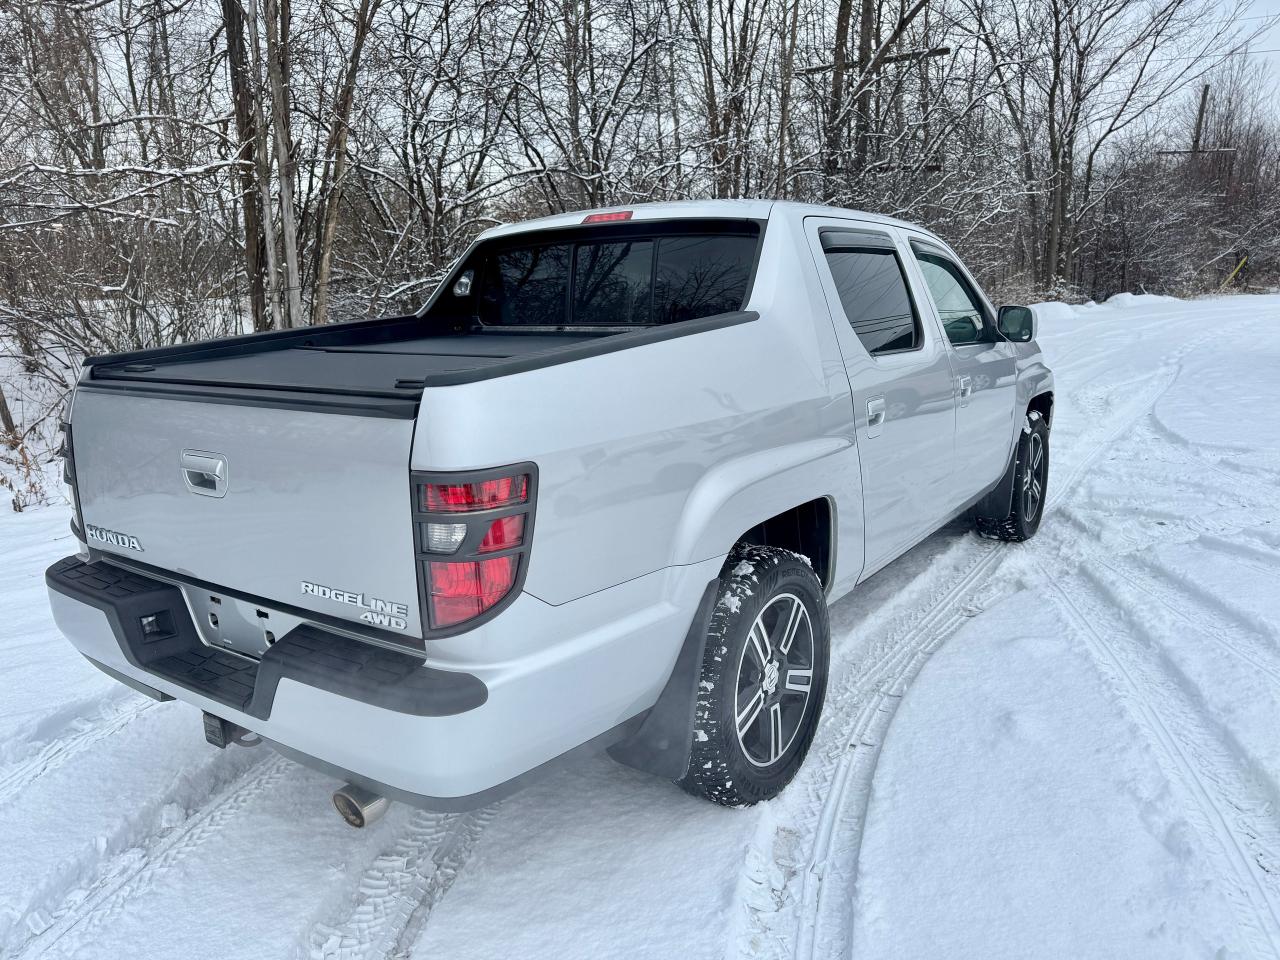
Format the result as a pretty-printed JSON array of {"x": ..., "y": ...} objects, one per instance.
[{"x": 289, "y": 505}]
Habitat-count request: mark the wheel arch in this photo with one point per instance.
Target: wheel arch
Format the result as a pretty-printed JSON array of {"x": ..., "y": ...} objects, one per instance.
[
  {"x": 807, "y": 529},
  {"x": 784, "y": 496},
  {"x": 1042, "y": 403}
]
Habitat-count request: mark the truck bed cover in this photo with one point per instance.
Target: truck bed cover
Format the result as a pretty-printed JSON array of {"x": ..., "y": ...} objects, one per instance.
[{"x": 368, "y": 369}]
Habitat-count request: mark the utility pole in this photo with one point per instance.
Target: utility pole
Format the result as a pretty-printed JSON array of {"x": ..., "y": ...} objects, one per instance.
[{"x": 1195, "y": 134}]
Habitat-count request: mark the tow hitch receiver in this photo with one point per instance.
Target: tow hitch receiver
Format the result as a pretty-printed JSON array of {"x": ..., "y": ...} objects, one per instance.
[{"x": 221, "y": 732}]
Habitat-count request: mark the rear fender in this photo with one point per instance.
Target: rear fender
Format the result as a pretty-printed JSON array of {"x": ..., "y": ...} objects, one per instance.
[
  {"x": 728, "y": 501},
  {"x": 738, "y": 494}
]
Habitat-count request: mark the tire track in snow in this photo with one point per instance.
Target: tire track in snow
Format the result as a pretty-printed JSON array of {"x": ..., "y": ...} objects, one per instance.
[
  {"x": 1120, "y": 520},
  {"x": 26, "y": 738},
  {"x": 136, "y": 870},
  {"x": 1231, "y": 809},
  {"x": 1128, "y": 416},
  {"x": 84, "y": 732},
  {"x": 1256, "y": 555},
  {"x": 864, "y": 708},
  {"x": 1174, "y": 593},
  {"x": 401, "y": 887},
  {"x": 1268, "y": 538},
  {"x": 832, "y": 868},
  {"x": 1223, "y": 465}
]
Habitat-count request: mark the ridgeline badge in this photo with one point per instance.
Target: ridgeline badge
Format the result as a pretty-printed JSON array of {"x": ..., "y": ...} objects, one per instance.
[{"x": 380, "y": 613}]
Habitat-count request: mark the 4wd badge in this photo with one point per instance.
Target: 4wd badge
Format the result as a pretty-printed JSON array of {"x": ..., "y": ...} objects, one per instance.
[{"x": 379, "y": 613}]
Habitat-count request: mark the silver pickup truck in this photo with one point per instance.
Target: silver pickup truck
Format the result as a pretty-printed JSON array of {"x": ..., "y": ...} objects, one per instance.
[{"x": 598, "y": 491}]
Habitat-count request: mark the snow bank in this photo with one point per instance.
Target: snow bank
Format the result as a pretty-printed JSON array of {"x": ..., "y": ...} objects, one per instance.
[
  {"x": 1138, "y": 301},
  {"x": 1051, "y": 312}
]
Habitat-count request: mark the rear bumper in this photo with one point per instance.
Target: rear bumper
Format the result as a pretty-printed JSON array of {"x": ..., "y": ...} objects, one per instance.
[{"x": 435, "y": 733}]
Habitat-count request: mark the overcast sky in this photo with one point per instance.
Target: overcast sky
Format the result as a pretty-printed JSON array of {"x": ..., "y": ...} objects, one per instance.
[{"x": 1270, "y": 40}]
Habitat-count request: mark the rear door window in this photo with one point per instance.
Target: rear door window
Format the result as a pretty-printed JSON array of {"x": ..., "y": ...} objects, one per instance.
[
  {"x": 617, "y": 281},
  {"x": 873, "y": 291}
]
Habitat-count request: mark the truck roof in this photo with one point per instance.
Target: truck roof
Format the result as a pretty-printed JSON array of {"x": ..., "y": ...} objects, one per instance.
[{"x": 727, "y": 209}]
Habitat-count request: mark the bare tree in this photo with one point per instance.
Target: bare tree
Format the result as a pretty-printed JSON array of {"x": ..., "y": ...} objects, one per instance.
[
  {"x": 335, "y": 161},
  {"x": 1088, "y": 71},
  {"x": 256, "y": 263},
  {"x": 178, "y": 171}
]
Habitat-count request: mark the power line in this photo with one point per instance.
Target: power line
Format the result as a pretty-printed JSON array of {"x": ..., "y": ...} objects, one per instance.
[
  {"x": 1103, "y": 51},
  {"x": 1214, "y": 56}
]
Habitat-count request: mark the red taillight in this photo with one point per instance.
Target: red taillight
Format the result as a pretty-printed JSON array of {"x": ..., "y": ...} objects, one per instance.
[
  {"x": 460, "y": 591},
  {"x": 472, "y": 540},
  {"x": 503, "y": 533},
  {"x": 613, "y": 217},
  {"x": 480, "y": 495}
]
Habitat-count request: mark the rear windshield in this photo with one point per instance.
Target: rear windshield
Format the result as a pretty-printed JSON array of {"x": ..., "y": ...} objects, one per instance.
[{"x": 616, "y": 279}]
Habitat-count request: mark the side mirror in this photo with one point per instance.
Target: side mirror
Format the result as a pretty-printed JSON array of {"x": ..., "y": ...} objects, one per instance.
[{"x": 1017, "y": 323}]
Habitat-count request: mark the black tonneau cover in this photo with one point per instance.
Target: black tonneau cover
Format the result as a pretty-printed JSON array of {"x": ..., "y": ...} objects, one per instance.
[{"x": 370, "y": 369}]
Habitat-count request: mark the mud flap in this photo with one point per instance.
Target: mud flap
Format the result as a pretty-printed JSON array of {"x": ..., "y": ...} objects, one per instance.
[
  {"x": 998, "y": 501},
  {"x": 661, "y": 745}
]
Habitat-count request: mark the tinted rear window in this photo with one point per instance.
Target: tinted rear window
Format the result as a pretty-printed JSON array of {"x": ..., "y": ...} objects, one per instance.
[
  {"x": 613, "y": 282},
  {"x": 616, "y": 281},
  {"x": 524, "y": 285},
  {"x": 874, "y": 295},
  {"x": 701, "y": 276}
]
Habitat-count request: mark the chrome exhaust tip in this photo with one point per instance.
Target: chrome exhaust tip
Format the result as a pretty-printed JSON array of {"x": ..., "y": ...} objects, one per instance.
[{"x": 358, "y": 806}]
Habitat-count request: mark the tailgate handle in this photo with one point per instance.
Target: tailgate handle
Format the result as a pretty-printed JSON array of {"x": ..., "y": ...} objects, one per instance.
[{"x": 204, "y": 473}]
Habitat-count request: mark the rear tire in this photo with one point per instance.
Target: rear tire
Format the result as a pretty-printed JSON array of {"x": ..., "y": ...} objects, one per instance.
[
  {"x": 763, "y": 679},
  {"x": 1030, "y": 485}
]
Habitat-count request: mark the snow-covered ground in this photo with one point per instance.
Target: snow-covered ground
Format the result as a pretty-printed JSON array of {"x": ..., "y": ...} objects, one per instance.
[{"x": 1066, "y": 748}]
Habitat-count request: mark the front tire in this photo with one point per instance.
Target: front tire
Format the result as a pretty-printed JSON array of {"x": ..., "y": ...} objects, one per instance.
[
  {"x": 764, "y": 676},
  {"x": 1030, "y": 485}
]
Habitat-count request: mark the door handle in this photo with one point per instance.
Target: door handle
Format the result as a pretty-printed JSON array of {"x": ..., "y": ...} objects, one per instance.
[
  {"x": 204, "y": 473},
  {"x": 875, "y": 416},
  {"x": 966, "y": 390}
]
